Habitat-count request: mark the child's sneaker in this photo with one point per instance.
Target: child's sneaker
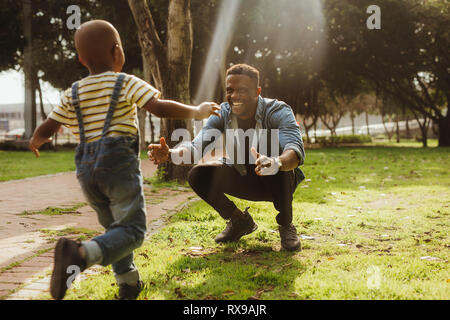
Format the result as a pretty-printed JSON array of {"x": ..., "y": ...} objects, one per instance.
[
  {"x": 129, "y": 292},
  {"x": 66, "y": 255}
]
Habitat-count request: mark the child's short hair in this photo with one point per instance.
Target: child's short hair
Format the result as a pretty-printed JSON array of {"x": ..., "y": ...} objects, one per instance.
[{"x": 245, "y": 69}]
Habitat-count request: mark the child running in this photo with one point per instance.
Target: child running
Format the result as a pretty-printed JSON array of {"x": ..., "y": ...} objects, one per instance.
[{"x": 101, "y": 111}]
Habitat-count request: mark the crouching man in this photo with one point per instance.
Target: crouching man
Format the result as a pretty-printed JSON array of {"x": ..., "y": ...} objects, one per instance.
[{"x": 253, "y": 175}]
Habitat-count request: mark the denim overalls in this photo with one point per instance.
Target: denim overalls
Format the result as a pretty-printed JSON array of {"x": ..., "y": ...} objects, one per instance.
[{"x": 108, "y": 171}]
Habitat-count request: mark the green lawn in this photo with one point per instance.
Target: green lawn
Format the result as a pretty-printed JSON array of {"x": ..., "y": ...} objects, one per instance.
[
  {"x": 24, "y": 164},
  {"x": 374, "y": 223}
]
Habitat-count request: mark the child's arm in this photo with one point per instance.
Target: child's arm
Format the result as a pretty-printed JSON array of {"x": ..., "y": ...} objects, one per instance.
[
  {"x": 42, "y": 134},
  {"x": 176, "y": 110}
]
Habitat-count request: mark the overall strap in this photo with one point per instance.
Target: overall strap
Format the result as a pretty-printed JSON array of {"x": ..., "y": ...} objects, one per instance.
[
  {"x": 76, "y": 105},
  {"x": 113, "y": 103}
]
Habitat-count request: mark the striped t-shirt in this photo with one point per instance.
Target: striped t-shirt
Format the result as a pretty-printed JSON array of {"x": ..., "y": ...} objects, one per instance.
[{"x": 95, "y": 96}]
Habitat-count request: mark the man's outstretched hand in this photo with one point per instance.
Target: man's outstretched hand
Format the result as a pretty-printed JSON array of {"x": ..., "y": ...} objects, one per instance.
[
  {"x": 159, "y": 153},
  {"x": 265, "y": 166}
]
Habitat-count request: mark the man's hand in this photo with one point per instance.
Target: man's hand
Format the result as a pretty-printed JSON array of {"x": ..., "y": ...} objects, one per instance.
[
  {"x": 205, "y": 109},
  {"x": 265, "y": 166},
  {"x": 159, "y": 153},
  {"x": 35, "y": 143}
]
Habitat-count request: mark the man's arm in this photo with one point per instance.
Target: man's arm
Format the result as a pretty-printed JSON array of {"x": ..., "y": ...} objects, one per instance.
[
  {"x": 290, "y": 137},
  {"x": 265, "y": 165},
  {"x": 176, "y": 110},
  {"x": 289, "y": 160},
  {"x": 160, "y": 153},
  {"x": 291, "y": 143},
  {"x": 42, "y": 134},
  {"x": 191, "y": 151}
]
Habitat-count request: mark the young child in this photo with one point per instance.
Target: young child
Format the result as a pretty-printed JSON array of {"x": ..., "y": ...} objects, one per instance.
[{"x": 101, "y": 110}]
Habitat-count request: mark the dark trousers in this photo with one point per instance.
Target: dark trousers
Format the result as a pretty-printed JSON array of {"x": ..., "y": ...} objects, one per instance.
[{"x": 212, "y": 181}]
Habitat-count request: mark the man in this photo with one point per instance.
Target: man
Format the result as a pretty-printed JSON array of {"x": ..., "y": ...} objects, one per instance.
[{"x": 253, "y": 176}]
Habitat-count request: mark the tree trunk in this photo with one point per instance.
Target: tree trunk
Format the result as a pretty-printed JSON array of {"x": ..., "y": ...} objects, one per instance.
[
  {"x": 153, "y": 50},
  {"x": 386, "y": 130},
  {"x": 29, "y": 71},
  {"x": 176, "y": 81},
  {"x": 308, "y": 140},
  {"x": 152, "y": 129},
  {"x": 352, "y": 117},
  {"x": 444, "y": 131},
  {"x": 142, "y": 114},
  {"x": 315, "y": 132},
  {"x": 408, "y": 131},
  {"x": 397, "y": 129},
  {"x": 423, "y": 128},
  {"x": 41, "y": 103},
  {"x": 367, "y": 123},
  {"x": 169, "y": 64}
]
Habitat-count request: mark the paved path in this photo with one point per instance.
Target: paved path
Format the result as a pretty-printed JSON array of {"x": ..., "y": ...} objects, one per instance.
[{"x": 27, "y": 240}]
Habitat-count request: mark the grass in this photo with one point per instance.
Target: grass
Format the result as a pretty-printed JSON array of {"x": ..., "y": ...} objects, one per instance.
[
  {"x": 374, "y": 224},
  {"x": 80, "y": 233},
  {"x": 55, "y": 211},
  {"x": 23, "y": 164}
]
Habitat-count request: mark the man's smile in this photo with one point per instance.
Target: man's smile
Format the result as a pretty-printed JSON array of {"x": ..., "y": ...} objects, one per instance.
[{"x": 236, "y": 105}]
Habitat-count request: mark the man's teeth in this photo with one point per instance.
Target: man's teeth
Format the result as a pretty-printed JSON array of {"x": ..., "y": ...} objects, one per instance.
[{"x": 237, "y": 104}]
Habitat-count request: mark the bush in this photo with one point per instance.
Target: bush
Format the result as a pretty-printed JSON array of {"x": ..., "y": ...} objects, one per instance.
[{"x": 344, "y": 139}]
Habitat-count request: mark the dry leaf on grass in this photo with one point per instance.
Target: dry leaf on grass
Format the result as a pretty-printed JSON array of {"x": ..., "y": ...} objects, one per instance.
[
  {"x": 144, "y": 255},
  {"x": 228, "y": 293},
  {"x": 429, "y": 258},
  {"x": 179, "y": 293}
]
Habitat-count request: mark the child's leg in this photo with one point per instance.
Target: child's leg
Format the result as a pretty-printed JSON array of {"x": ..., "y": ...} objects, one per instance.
[
  {"x": 91, "y": 250},
  {"x": 125, "y": 271},
  {"x": 125, "y": 192}
]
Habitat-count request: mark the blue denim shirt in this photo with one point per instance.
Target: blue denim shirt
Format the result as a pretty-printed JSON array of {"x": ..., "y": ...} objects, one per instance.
[{"x": 270, "y": 114}]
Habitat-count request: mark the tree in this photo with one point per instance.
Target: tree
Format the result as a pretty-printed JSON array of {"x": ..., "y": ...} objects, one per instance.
[
  {"x": 54, "y": 58},
  {"x": 168, "y": 62},
  {"x": 407, "y": 59}
]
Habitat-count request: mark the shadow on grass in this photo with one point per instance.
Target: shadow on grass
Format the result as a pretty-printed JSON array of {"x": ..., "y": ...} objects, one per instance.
[{"x": 234, "y": 271}]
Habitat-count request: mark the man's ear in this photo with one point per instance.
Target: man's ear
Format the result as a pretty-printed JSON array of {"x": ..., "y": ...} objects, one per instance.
[{"x": 258, "y": 91}]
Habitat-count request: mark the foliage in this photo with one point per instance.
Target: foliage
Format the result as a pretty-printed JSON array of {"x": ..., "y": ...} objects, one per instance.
[
  {"x": 343, "y": 139},
  {"x": 405, "y": 60},
  {"x": 326, "y": 50}
]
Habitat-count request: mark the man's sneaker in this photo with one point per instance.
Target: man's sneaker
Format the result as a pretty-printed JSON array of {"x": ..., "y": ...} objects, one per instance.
[
  {"x": 238, "y": 226},
  {"x": 289, "y": 238},
  {"x": 129, "y": 292},
  {"x": 67, "y": 261}
]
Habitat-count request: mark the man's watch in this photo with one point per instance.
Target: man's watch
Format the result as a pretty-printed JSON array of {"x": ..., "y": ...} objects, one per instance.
[{"x": 278, "y": 161}]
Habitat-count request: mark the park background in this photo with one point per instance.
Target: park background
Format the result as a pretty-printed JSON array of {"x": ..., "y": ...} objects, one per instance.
[{"x": 372, "y": 104}]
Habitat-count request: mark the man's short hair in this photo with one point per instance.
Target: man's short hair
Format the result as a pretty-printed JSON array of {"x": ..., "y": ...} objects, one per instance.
[{"x": 244, "y": 69}]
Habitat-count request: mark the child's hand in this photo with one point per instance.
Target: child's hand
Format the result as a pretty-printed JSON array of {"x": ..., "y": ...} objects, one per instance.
[
  {"x": 205, "y": 109},
  {"x": 36, "y": 143}
]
